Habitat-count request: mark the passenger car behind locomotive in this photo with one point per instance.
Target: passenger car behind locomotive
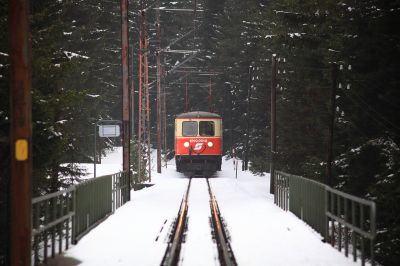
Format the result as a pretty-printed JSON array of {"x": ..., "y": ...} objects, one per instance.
[{"x": 198, "y": 142}]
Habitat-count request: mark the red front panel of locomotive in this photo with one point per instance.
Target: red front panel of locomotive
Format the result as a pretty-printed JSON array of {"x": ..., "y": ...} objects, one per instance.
[{"x": 198, "y": 145}]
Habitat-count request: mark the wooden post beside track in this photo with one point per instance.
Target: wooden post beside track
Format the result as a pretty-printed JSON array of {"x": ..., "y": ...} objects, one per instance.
[
  {"x": 334, "y": 73},
  {"x": 158, "y": 54},
  {"x": 273, "y": 123},
  {"x": 125, "y": 87},
  {"x": 245, "y": 166},
  {"x": 20, "y": 133}
]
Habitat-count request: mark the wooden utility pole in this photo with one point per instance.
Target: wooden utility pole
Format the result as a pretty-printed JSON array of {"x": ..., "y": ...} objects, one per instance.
[
  {"x": 140, "y": 94},
  {"x": 186, "y": 94},
  {"x": 273, "y": 123},
  {"x": 164, "y": 119},
  {"x": 132, "y": 98},
  {"x": 125, "y": 87},
  {"x": 20, "y": 133},
  {"x": 329, "y": 179},
  {"x": 194, "y": 24},
  {"x": 246, "y": 155},
  {"x": 210, "y": 96},
  {"x": 158, "y": 54}
]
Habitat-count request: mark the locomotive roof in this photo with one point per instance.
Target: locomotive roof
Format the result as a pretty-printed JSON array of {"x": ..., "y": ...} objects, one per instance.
[{"x": 198, "y": 114}]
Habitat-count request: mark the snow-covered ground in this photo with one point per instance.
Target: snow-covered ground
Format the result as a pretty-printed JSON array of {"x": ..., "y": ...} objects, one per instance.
[
  {"x": 198, "y": 248},
  {"x": 110, "y": 164},
  {"x": 261, "y": 233}
]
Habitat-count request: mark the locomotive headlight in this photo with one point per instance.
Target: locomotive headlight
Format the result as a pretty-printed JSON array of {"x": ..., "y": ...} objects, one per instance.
[
  {"x": 186, "y": 144},
  {"x": 210, "y": 144}
]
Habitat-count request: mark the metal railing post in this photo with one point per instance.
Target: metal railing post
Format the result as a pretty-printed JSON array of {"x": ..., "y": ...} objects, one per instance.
[
  {"x": 95, "y": 150},
  {"x": 373, "y": 231},
  {"x": 326, "y": 219},
  {"x": 74, "y": 218}
]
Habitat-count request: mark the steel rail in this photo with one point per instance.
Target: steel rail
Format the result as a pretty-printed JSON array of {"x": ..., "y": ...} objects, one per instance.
[
  {"x": 171, "y": 256},
  {"x": 225, "y": 253}
]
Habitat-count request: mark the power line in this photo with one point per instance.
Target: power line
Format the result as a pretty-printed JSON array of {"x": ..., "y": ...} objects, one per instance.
[
  {"x": 362, "y": 85},
  {"x": 370, "y": 115},
  {"x": 378, "y": 115}
]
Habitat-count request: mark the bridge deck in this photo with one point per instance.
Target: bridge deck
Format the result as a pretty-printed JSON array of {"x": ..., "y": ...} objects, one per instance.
[{"x": 261, "y": 233}]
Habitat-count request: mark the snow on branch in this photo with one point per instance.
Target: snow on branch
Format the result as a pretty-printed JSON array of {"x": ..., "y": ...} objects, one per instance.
[{"x": 71, "y": 55}]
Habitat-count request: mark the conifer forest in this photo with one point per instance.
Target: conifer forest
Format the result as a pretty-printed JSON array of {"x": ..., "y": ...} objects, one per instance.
[{"x": 349, "y": 49}]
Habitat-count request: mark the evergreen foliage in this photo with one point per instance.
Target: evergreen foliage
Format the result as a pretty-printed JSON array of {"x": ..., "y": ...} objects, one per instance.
[
  {"x": 136, "y": 179},
  {"x": 76, "y": 81},
  {"x": 308, "y": 37},
  {"x": 64, "y": 101}
]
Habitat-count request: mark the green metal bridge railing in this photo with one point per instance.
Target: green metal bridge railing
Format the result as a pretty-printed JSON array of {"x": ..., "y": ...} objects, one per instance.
[
  {"x": 51, "y": 217},
  {"x": 339, "y": 217},
  {"x": 63, "y": 217}
]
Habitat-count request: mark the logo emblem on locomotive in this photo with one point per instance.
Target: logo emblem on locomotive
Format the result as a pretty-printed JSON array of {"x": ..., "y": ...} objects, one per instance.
[{"x": 198, "y": 146}]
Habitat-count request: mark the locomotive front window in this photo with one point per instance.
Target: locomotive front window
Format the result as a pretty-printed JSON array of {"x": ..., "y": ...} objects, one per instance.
[
  {"x": 206, "y": 128},
  {"x": 189, "y": 128}
]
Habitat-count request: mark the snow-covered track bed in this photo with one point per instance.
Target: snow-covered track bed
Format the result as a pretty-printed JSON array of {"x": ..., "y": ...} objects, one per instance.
[{"x": 193, "y": 230}]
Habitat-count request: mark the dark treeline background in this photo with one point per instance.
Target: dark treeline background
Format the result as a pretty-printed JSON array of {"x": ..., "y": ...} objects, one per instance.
[{"x": 77, "y": 80}]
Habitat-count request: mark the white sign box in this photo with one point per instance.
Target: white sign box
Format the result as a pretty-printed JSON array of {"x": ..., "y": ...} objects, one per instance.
[{"x": 109, "y": 131}]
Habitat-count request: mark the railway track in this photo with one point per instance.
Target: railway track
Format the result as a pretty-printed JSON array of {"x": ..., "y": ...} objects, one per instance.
[
  {"x": 225, "y": 253},
  {"x": 173, "y": 252}
]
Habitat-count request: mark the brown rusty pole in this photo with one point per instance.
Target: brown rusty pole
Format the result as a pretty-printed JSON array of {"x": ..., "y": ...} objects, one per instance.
[
  {"x": 125, "y": 87},
  {"x": 20, "y": 133},
  {"x": 331, "y": 126},
  {"x": 273, "y": 124},
  {"x": 210, "y": 96},
  {"x": 245, "y": 165},
  {"x": 132, "y": 97},
  {"x": 140, "y": 95},
  {"x": 186, "y": 95},
  {"x": 164, "y": 118},
  {"x": 158, "y": 89}
]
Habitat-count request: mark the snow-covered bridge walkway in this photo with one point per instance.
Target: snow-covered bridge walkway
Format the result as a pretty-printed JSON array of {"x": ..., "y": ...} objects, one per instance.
[{"x": 261, "y": 233}]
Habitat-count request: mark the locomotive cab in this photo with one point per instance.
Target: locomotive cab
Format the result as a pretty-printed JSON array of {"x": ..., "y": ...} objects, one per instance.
[{"x": 198, "y": 142}]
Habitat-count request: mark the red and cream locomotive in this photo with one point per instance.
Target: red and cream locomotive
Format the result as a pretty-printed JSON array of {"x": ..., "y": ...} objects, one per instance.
[{"x": 198, "y": 142}]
